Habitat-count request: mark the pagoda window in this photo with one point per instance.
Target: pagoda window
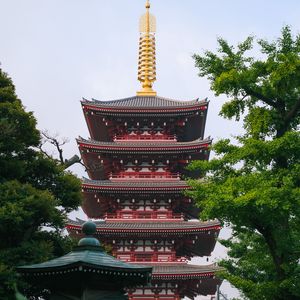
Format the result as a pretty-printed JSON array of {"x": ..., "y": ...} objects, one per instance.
[
  {"x": 161, "y": 250},
  {"x": 124, "y": 257},
  {"x": 161, "y": 208},
  {"x": 164, "y": 258},
  {"x": 139, "y": 292},
  {"x": 148, "y": 291},
  {"x": 143, "y": 257}
]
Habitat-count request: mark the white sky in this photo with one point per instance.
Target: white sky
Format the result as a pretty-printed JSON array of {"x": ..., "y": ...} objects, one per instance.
[{"x": 58, "y": 51}]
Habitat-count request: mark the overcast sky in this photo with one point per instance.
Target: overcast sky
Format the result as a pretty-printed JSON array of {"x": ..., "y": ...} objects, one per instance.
[{"x": 58, "y": 51}]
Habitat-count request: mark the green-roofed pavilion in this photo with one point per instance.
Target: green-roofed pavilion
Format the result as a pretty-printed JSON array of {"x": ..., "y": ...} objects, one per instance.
[{"x": 86, "y": 273}]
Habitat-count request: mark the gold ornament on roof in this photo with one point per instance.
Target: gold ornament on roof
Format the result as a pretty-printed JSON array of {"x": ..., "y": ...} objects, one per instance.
[{"x": 147, "y": 56}]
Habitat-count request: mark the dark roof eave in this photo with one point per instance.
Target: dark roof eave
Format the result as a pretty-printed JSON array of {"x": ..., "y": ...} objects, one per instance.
[
  {"x": 143, "y": 104},
  {"x": 76, "y": 265},
  {"x": 82, "y": 258},
  {"x": 137, "y": 186},
  {"x": 187, "y": 271},
  {"x": 151, "y": 227},
  {"x": 143, "y": 145}
]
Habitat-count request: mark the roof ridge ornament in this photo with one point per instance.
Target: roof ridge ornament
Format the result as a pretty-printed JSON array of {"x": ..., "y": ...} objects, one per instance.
[{"x": 147, "y": 55}]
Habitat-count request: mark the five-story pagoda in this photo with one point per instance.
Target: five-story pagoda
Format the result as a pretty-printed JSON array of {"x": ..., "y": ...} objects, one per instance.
[{"x": 136, "y": 159}]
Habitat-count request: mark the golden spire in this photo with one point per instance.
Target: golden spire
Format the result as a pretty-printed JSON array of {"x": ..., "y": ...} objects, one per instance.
[{"x": 147, "y": 59}]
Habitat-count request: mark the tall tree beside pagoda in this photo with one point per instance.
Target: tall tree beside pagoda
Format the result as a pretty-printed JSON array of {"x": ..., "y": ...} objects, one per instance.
[
  {"x": 35, "y": 191},
  {"x": 255, "y": 185}
]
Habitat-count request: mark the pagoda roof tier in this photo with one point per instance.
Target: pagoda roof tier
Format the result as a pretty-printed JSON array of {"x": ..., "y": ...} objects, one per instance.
[
  {"x": 191, "y": 280},
  {"x": 182, "y": 271},
  {"x": 98, "y": 156},
  {"x": 104, "y": 117},
  {"x": 141, "y": 186},
  {"x": 98, "y": 207},
  {"x": 191, "y": 237},
  {"x": 144, "y": 146},
  {"x": 145, "y": 104},
  {"x": 149, "y": 228}
]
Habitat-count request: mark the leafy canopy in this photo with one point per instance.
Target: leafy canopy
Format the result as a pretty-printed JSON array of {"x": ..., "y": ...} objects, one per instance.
[
  {"x": 254, "y": 185},
  {"x": 35, "y": 192}
]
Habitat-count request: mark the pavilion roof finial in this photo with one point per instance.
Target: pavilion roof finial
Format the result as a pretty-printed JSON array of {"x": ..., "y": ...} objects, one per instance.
[
  {"x": 147, "y": 57},
  {"x": 89, "y": 229}
]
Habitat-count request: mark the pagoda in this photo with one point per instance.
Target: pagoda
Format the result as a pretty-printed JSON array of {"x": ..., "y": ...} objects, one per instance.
[{"x": 136, "y": 161}]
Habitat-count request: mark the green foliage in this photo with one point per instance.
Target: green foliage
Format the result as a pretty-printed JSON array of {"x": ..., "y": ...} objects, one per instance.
[
  {"x": 35, "y": 194},
  {"x": 254, "y": 185}
]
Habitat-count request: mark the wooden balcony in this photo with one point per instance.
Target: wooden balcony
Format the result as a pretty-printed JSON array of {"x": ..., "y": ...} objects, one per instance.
[
  {"x": 155, "y": 215},
  {"x": 144, "y": 176},
  {"x": 147, "y": 137},
  {"x": 140, "y": 257}
]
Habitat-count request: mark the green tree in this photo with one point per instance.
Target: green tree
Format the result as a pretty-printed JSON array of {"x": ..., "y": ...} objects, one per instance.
[
  {"x": 254, "y": 183},
  {"x": 36, "y": 192}
]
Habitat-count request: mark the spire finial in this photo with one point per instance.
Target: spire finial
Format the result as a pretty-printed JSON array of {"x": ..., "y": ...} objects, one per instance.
[
  {"x": 147, "y": 57},
  {"x": 147, "y": 4}
]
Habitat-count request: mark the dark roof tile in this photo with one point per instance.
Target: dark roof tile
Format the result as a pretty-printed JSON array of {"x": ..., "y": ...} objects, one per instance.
[
  {"x": 144, "y": 144},
  {"x": 136, "y": 184},
  {"x": 145, "y": 102},
  {"x": 176, "y": 225},
  {"x": 182, "y": 268}
]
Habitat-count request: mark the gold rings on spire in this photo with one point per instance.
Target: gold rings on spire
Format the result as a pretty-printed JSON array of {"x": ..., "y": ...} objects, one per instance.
[{"x": 147, "y": 56}]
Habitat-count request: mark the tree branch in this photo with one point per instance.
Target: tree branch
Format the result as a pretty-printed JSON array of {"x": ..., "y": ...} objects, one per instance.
[
  {"x": 272, "y": 246},
  {"x": 73, "y": 160},
  {"x": 293, "y": 112},
  {"x": 265, "y": 99},
  {"x": 57, "y": 143},
  {"x": 54, "y": 141},
  {"x": 43, "y": 151}
]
